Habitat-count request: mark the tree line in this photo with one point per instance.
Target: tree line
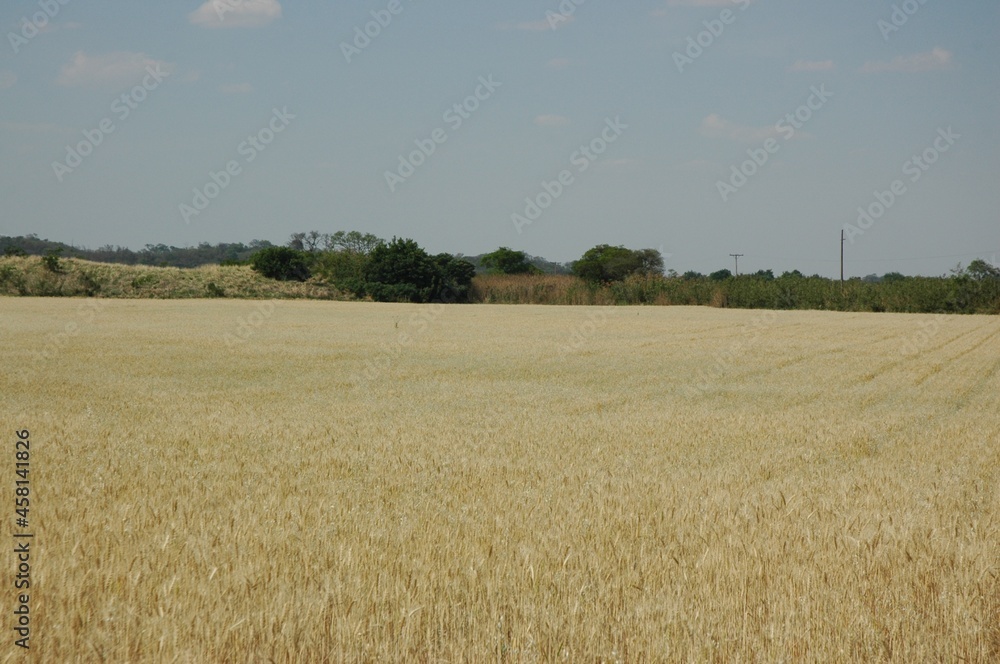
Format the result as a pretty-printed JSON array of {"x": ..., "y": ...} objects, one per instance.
[{"x": 400, "y": 270}]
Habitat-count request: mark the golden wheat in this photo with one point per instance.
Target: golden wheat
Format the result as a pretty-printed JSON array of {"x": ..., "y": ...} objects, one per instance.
[{"x": 222, "y": 481}]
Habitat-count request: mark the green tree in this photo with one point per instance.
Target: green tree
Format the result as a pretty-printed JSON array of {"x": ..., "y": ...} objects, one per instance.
[
  {"x": 507, "y": 261},
  {"x": 401, "y": 271},
  {"x": 605, "y": 263},
  {"x": 281, "y": 263},
  {"x": 980, "y": 269},
  {"x": 721, "y": 275}
]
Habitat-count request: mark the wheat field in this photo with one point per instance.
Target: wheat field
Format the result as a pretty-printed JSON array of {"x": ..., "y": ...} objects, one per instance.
[{"x": 235, "y": 481}]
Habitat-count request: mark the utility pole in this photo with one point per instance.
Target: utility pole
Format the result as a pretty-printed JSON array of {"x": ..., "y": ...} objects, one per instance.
[
  {"x": 737, "y": 257},
  {"x": 842, "y": 240}
]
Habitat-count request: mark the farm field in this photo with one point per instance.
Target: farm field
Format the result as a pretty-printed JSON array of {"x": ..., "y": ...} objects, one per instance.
[{"x": 219, "y": 481}]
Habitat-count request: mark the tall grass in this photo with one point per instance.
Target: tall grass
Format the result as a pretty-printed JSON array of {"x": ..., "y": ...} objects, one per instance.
[{"x": 911, "y": 295}]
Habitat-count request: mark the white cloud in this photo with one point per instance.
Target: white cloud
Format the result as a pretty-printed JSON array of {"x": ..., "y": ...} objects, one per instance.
[
  {"x": 715, "y": 126},
  {"x": 706, "y": 3},
  {"x": 7, "y": 79},
  {"x": 554, "y": 22},
  {"x": 935, "y": 60},
  {"x": 113, "y": 69},
  {"x": 701, "y": 167},
  {"x": 551, "y": 120},
  {"x": 236, "y": 13},
  {"x": 36, "y": 128},
  {"x": 741, "y": 4},
  {"x": 558, "y": 63},
  {"x": 236, "y": 89},
  {"x": 812, "y": 65}
]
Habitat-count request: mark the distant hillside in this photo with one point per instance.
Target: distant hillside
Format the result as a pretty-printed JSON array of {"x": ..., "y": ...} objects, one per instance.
[
  {"x": 159, "y": 255},
  {"x": 40, "y": 277}
]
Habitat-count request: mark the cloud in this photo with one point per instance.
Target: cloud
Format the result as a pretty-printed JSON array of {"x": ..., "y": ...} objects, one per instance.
[
  {"x": 111, "y": 70},
  {"x": 36, "y": 128},
  {"x": 551, "y": 120},
  {"x": 742, "y": 4},
  {"x": 715, "y": 126},
  {"x": 706, "y": 3},
  {"x": 701, "y": 167},
  {"x": 236, "y": 89},
  {"x": 558, "y": 63},
  {"x": 935, "y": 60},
  {"x": 555, "y": 22},
  {"x": 812, "y": 65},
  {"x": 7, "y": 79},
  {"x": 236, "y": 13}
]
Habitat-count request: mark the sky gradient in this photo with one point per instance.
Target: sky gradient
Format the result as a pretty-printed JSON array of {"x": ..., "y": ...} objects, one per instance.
[{"x": 698, "y": 127}]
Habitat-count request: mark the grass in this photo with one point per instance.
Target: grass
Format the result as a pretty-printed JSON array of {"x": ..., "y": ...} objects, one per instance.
[
  {"x": 308, "y": 482},
  {"x": 28, "y": 276}
]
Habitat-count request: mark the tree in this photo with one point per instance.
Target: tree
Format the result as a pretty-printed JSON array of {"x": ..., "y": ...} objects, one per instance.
[
  {"x": 353, "y": 241},
  {"x": 721, "y": 275},
  {"x": 507, "y": 261},
  {"x": 980, "y": 269},
  {"x": 605, "y": 263},
  {"x": 401, "y": 271},
  {"x": 766, "y": 275},
  {"x": 455, "y": 278},
  {"x": 650, "y": 261},
  {"x": 281, "y": 263}
]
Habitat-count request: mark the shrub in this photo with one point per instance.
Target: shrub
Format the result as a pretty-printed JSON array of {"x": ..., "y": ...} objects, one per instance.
[
  {"x": 507, "y": 261},
  {"x": 604, "y": 263},
  {"x": 400, "y": 271},
  {"x": 51, "y": 261},
  {"x": 281, "y": 263}
]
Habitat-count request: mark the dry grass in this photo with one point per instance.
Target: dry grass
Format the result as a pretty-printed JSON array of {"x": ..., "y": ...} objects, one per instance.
[
  {"x": 28, "y": 277},
  {"x": 505, "y": 483}
]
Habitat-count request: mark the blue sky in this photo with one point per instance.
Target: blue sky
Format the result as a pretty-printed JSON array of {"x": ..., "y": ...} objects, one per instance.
[{"x": 698, "y": 127}]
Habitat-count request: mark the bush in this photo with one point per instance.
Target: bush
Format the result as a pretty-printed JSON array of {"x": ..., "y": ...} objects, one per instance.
[
  {"x": 51, "y": 261},
  {"x": 507, "y": 261},
  {"x": 281, "y": 263},
  {"x": 400, "y": 271},
  {"x": 604, "y": 263}
]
